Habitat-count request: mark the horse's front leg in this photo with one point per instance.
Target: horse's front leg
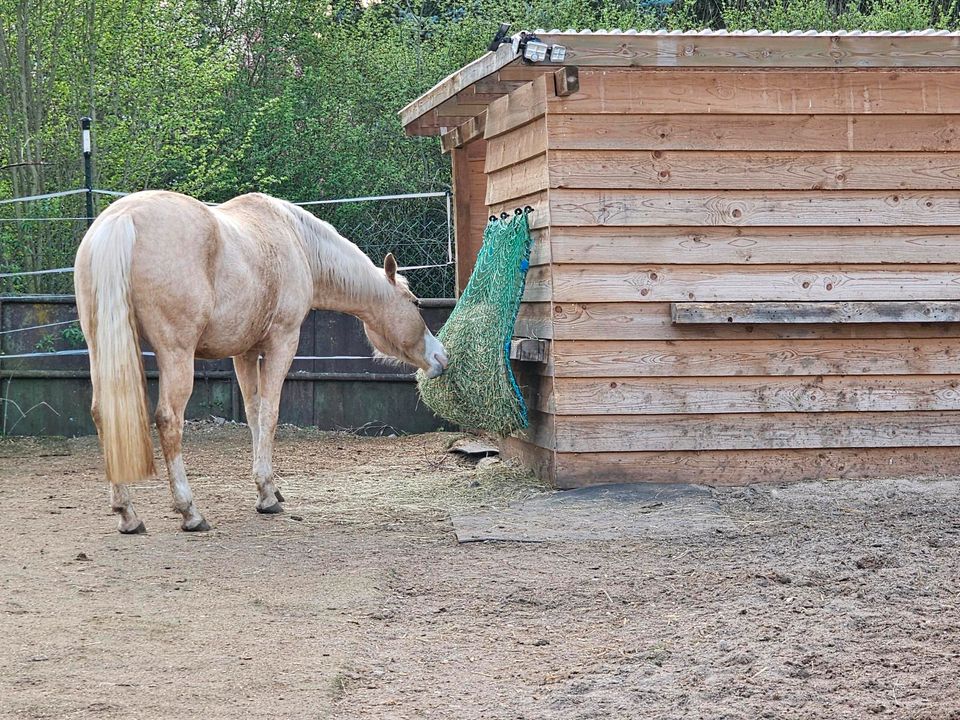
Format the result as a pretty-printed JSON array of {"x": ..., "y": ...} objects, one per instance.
[{"x": 277, "y": 358}]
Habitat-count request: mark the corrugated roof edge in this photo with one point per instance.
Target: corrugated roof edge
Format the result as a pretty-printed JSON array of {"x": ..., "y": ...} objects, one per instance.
[{"x": 749, "y": 33}]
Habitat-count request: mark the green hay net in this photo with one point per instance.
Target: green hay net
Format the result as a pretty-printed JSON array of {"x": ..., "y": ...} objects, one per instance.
[{"x": 478, "y": 390}]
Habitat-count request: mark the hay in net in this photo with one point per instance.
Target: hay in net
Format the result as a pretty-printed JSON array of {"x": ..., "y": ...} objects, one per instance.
[{"x": 478, "y": 390}]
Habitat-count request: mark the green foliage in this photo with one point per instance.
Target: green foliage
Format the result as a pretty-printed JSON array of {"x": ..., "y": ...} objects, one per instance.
[
  {"x": 46, "y": 343},
  {"x": 73, "y": 335},
  {"x": 830, "y": 15}
]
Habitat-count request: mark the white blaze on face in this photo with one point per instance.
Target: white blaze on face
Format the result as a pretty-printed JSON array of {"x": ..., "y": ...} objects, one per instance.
[{"x": 435, "y": 355}]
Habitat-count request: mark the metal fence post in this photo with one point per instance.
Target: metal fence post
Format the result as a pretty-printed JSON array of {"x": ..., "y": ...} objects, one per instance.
[{"x": 87, "y": 166}]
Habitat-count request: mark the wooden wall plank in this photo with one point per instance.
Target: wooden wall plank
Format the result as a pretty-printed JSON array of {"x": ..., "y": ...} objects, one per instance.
[
  {"x": 754, "y": 133},
  {"x": 754, "y": 245},
  {"x": 652, "y": 321},
  {"x": 731, "y": 358},
  {"x": 534, "y": 320},
  {"x": 626, "y": 433},
  {"x": 754, "y": 208},
  {"x": 758, "y": 51},
  {"x": 816, "y": 312},
  {"x": 518, "y": 180},
  {"x": 470, "y": 217},
  {"x": 770, "y": 92},
  {"x": 522, "y": 143},
  {"x": 745, "y": 467},
  {"x": 539, "y": 285},
  {"x": 541, "y": 432},
  {"x": 708, "y": 395},
  {"x": 462, "y": 210},
  {"x": 683, "y": 283},
  {"x": 538, "y": 219},
  {"x": 538, "y": 460},
  {"x": 540, "y": 251},
  {"x": 525, "y": 104},
  {"x": 753, "y": 170}
]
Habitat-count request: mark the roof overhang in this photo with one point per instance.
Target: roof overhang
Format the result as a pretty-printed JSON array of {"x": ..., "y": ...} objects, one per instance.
[{"x": 466, "y": 93}]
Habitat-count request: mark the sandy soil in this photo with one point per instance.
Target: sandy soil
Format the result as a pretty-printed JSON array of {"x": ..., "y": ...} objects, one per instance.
[{"x": 827, "y": 600}]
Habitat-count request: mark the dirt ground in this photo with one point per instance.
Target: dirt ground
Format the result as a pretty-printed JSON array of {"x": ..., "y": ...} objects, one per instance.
[{"x": 827, "y": 600}]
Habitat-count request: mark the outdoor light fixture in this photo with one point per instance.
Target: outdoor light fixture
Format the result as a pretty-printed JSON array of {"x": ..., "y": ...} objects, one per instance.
[
  {"x": 85, "y": 129},
  {"x": 534, "y": 50}
]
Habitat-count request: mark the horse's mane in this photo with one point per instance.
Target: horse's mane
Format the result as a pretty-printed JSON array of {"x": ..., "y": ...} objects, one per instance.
[{"x": 338, "y": 263}]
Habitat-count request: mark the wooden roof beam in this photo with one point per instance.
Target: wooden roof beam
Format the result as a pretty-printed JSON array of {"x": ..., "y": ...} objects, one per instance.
[{"x": 462, "y": 134}]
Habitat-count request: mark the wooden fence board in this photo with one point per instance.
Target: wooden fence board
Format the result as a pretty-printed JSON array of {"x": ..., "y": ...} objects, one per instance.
[
  {"x": 773, "y": 92},
  {"x": 624, "y": 433},
  {"x": 754, "y": 133},
  {"x": 709, "y": 395},
  {"x": 692, "y": 283},
  {"x": 770, "y": 208},
  {"x": 731, "y": 358},
  {"x": 754, "y": 245},
  {"x": 752, "y": 170}
]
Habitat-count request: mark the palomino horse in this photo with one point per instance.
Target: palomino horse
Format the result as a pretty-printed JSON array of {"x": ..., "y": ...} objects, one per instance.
[{"x": 231, "y": 281}]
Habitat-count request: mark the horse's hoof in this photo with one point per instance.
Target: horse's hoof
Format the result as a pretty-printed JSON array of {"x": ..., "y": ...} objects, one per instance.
[
  {"x": 280, "y": 497},
  {"x": 140, "y": 529},
  {"x": 272, "y": 510},
  {"x": 202, "y": 526}
]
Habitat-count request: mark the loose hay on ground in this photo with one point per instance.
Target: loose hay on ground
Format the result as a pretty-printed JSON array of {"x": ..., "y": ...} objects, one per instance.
[{"x": 376, "y": 481}]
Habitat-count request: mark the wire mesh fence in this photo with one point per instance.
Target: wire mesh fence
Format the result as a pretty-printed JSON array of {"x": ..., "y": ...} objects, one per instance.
[
  {"x": 41, "y": 235},
  {"x": 415, "y": 228}
]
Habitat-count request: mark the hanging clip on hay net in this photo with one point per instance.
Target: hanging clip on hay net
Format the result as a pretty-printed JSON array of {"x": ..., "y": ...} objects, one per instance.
[{"x": 478, "y": 390}]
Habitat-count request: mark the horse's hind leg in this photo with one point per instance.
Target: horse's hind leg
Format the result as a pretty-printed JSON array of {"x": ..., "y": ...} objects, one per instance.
[
  {"x": 120, "y": 501},
  {"x": 176, "y": 384}
]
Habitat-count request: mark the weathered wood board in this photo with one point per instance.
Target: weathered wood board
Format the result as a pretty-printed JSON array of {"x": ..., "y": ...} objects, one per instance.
[
  {"x": 773, "y": 92},
  {"x": 754, "y": 133},
  {"x": 727, "y": 245},
  {"x": 886, "y": 311}
]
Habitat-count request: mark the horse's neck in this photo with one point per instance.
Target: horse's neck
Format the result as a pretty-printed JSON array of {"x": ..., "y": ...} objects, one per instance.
[{"x": 344, "y": 279}]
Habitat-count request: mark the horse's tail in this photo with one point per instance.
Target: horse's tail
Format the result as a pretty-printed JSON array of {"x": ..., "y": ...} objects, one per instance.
[{"x": 116, "y": 366}]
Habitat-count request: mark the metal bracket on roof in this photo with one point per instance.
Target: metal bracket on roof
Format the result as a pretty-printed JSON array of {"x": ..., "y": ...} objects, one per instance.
[{"x": 500, "y": 38}]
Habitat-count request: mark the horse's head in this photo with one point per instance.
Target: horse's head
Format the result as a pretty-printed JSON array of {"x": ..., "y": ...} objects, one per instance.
[{"x": 397, "y": 330}]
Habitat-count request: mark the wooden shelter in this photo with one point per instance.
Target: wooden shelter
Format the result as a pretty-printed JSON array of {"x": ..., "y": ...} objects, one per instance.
[{"x": 747, "y": 254}]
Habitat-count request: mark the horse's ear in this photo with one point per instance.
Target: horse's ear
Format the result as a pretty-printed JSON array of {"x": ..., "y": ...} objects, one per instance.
[{"x": 390, "y": 268}]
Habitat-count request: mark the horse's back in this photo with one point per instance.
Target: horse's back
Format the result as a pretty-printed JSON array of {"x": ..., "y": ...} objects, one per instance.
[{"x": 216, "y": 279}]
